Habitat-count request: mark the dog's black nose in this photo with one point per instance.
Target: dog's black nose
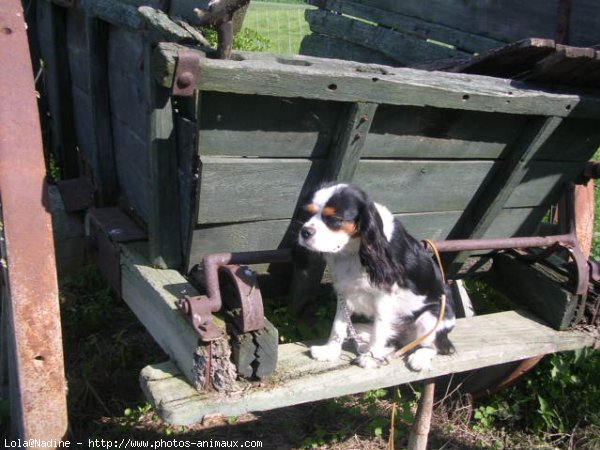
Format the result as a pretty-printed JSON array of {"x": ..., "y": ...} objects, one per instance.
[{"x": 307, "y": 232}]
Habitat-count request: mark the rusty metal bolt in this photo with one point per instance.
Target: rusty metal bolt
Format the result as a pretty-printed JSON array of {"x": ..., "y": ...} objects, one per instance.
[{"x": 185, "y": 80}]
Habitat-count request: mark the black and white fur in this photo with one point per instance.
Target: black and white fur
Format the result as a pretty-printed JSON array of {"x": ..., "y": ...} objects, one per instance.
[{"x": 381, "y": 273}]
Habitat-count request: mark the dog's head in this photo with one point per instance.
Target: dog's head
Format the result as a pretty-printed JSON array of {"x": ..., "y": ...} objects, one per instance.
[{"x": 343, "y": 219}]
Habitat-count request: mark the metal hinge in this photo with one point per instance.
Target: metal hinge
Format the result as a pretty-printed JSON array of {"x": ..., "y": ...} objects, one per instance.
[{"x": 186, "y": 73}]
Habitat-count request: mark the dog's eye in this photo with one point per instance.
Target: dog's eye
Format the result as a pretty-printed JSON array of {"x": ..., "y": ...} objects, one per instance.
[{"x": 334, "y": 222}]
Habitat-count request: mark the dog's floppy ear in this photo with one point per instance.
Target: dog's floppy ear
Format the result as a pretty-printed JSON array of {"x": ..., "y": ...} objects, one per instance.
[{"x": 375, "y": 252}]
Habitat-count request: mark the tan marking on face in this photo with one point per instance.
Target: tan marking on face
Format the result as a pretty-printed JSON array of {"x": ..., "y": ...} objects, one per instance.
[
  {"x": 348, "y": 227},
  {"x": 328, "y": 211},
  {"x": 311, "y": 208}
]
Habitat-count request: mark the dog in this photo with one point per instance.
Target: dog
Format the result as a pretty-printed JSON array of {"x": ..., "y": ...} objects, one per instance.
[{"x": 380, "y": 272}]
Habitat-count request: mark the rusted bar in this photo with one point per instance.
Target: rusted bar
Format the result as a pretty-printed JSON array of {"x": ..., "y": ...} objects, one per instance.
[
  {"x": 457, "y": 245},
  {"x": 38, "y": 396},
  {"x": 251, "y": 317}
]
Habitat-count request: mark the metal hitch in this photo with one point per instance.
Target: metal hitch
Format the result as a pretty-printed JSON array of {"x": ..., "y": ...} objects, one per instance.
[{"x": 243, "y": 301}]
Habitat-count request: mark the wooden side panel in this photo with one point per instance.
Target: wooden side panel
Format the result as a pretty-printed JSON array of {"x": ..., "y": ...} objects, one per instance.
[
  {"x": 128, "y": 114},
  {"x": 404, "y": 48},
  {"x": 252, "y": 125},
  {"x": 235, "y": 189},
  {"x": 413, "y": 132},
  {"x": 506, "y": 20},
  {"x": 323, "y": 46},
  {"x": 411, "y": 25}
]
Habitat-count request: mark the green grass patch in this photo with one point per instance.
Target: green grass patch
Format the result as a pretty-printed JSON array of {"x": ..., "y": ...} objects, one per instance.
[{"x": 283, "y": 25}]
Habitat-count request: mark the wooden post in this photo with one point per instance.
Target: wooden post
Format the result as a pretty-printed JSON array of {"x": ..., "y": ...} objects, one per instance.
[
  {"x": 163, "y": 222},
  {"x": 419, "y": 433}
]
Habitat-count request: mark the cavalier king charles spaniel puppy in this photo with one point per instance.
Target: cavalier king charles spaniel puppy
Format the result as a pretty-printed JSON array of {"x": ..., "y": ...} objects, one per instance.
[{"x": 380, "y": 272}]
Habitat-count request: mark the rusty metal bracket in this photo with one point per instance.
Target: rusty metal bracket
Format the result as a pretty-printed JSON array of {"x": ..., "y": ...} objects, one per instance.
[
  {"x": 187, "y": 72},
  {"x": 246, "y": 303}
]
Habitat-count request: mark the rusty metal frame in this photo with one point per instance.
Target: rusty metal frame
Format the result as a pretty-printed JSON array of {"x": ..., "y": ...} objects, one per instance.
[
  {"x": 38, "y": 387},
  {"x": 250, "y": 316}
]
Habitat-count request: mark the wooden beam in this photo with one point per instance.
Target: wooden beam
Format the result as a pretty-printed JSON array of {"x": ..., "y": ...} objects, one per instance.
[
  {"x": 164, "y": 229},
  {"x": 507, "y": 177},
  {"x": 104, "y": 165},
  {"x": 306, "y": 77},
  {"x": 509, "y": 336}
]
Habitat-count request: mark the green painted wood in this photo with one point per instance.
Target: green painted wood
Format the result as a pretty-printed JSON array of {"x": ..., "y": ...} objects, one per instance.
[
  {"x": 164, "y": 228},
  {"x": 103, "y": 159},
  {"x": 228, "y": 185},
  {"x": 509, "y": 336},
  {"x": 573, "y": 140},
  {"x": 505, "y": 20},
  {"x": 346, "y": 81},
  {"x": 350, "y": 136},
  {"x": 236, "y": 189},
  {"x": 187, "y": 170},
  {"x": 320, "y": 45},
  {"x": 249, "y": 125},
  {"x": 355, "y": 82},
  {"x": 541, "y": 289},
  {"x": 506, "y": 178},
  {"x": 129, "y": 108},
  {"x": 52, "y": 40},
  {"x": 402, "y": 47},
  {"x": 432, "y": 133},
  {"x": 414, "y": 26}
]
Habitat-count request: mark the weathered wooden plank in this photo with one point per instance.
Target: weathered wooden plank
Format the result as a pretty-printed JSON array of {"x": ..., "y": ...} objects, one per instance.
[
  {"x": 543, "y": 182},
  {"x": 425, "y": 30},
  {"x": 230, "y": 188},
  {"x": 187, "y": 169},
  {"x": 402, "y": 47},
  {"x": 324, "y": 79},
  {"x": 353, "y": 127},
  {"x": 132, "y": 167},
  {"x": 248, "y": 125},
  {"x": 509, "y": 336},
  {"x": 115, "y": 12},
  {"x": 152, "y": 294},
  {"x": 78, "y": 56},
  {"x": 506, "y": 20},
  {"x": 537, "y": 287},
  {"x": 164, "y": 215},
  {"x": 573, "y": 140},
  {"x": 401, "y": 185},
  {"x": 103, "y": 159},
  {"x": 126, "y": 78},
  {"x": 158, "y": 26},
  {"x": 509, "y": 60},
  {"x": 485, "y": 206},
  {"x": 52, "y": 42},
  {"x": 432, "y": 133},
  {"x": 563, "y": 66},
  {"x": 320, "y": 45}
]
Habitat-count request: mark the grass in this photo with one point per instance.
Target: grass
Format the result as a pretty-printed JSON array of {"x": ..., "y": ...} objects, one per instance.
[{"x": 282, "y": 24}]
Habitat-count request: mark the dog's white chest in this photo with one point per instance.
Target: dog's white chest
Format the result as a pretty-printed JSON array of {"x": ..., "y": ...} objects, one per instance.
[{"x": 351, "y": 282}]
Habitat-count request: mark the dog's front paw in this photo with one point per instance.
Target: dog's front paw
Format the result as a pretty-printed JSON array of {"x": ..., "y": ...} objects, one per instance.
[
  {"x": 327, "y": 352},
  {"x": 421, "y": 358},
  {"x": 367, "y": 361}
]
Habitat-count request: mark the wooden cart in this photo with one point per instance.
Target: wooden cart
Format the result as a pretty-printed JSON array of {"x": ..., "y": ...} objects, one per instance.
[{"x": 188, "y": 155}]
